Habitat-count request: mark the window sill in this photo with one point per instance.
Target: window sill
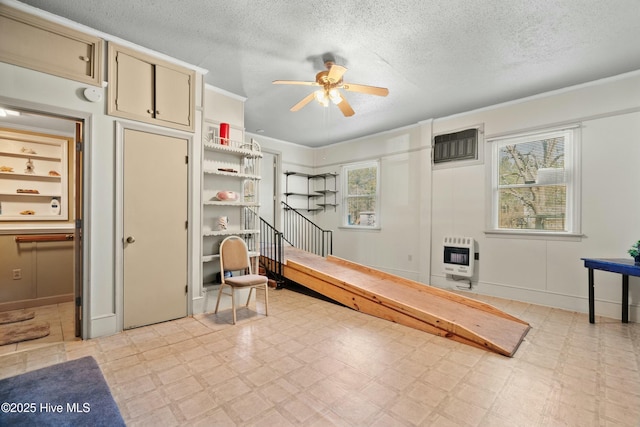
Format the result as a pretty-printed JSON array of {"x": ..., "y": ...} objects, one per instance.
[
  {"x": 358, "y": 228},
  {"x": 534, "y": 235}
]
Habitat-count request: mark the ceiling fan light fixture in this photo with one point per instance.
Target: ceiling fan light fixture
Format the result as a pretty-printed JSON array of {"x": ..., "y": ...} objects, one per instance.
[
  {"x": 330, "y": 81},
  {"x": 321, "y": 97},
  {"x": 335, "y": 97}
]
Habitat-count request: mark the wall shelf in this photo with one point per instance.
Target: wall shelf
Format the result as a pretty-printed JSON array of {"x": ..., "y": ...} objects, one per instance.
[
  {"x": 26, "y": 176},
  {"x": 34, "y": 173},
  {"x": 327, "y": 193},
  {"x": 229, "y": 232}
]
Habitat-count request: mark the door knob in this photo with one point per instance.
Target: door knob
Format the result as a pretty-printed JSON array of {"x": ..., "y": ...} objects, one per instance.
[{"x": 131, "y": 239}]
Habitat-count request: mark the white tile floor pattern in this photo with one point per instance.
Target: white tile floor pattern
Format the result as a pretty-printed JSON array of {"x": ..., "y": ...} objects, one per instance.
[{"x": 313, "y": 363}]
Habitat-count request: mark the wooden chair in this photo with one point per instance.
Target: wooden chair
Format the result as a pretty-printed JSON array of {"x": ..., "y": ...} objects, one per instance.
[{"x": 234, "y": 256}]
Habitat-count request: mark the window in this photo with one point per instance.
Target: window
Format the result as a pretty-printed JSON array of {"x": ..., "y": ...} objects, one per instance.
[
  {"x": 535, "y": 183},
  {"x": 361, "y": 195}
]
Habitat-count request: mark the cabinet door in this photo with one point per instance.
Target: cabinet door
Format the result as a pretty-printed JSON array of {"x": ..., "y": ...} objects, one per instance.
[
  {"x": 35, "y": 43},
  {"x": 173, "y": 95},
  {"x": 144, "y": 88},
  {"x": 134, "y": 86}
]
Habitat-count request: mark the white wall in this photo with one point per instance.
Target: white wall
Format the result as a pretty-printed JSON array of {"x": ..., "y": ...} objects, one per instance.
[
  {"x": 402, "y": 245},
  {"x": 547, "y": 271},
  {"x": 57, "y": 94},
  {"x": 420, "y": 205}
]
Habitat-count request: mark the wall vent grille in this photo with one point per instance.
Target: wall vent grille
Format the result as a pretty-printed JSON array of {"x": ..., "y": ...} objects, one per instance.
[{"x": 455, "y": 146}]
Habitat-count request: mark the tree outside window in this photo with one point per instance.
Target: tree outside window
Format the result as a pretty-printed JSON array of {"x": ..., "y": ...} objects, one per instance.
[{"x": 361, "y": 199}]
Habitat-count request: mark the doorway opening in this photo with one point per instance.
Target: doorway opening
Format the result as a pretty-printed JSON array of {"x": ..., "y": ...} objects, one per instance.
[{"x": 47, "y": 245}]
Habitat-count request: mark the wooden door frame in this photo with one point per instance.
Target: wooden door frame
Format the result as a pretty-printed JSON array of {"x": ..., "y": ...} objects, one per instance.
[
  {"x": 78, "y": 234},
  {"x": 118, "y": 235},
  {"x": 82, "y": 185}
]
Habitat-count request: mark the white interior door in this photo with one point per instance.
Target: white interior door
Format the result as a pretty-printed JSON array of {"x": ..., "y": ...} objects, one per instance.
[{"x": 155, "y": 185}]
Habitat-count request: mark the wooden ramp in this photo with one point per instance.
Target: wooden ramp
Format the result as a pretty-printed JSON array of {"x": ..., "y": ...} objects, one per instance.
[{"x": 404, "y": 301}]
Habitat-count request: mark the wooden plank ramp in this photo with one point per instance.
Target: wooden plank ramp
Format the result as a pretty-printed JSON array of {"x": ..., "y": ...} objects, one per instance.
[{"x": 407, "y": 302}]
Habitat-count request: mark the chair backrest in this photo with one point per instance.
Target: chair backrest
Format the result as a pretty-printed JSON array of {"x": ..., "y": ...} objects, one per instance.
[{"x": 234, "y": 254}]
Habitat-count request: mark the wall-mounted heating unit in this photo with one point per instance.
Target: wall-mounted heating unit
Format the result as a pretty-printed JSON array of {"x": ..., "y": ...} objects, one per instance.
[{"x": 459, "y": 254}]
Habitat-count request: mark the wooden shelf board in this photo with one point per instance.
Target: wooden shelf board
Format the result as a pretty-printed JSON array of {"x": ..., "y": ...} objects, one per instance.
[
  {"x": 31, "y": 194},
  {"x": 229, "y": 232},
  {"x": 236, "y": 204},
  {"x": 29, "y": 175},
  {"x": 30, "y": 156},
  {"x": 232, "y": 149}
]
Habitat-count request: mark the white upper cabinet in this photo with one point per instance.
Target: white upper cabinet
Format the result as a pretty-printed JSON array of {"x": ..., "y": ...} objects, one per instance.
[
  {"x": 35, "y": 43},
  {"x": 146, "y": 89}
]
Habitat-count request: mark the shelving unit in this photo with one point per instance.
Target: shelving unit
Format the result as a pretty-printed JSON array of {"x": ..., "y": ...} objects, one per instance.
[
  {"x": 33, "y": 172},
  {"x": 233, "y": 166},
  {"x": 327, "y": 192}
]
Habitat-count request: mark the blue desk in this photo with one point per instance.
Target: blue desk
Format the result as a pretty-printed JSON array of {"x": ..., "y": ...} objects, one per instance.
[{"x": 626, "y": 267}]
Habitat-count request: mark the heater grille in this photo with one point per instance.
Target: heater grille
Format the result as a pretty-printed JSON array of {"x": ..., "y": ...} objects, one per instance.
[{"x": 458, "y": 256}]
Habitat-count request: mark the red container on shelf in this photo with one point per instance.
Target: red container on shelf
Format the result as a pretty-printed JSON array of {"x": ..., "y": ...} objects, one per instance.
[{"x": 224, "y": 133}]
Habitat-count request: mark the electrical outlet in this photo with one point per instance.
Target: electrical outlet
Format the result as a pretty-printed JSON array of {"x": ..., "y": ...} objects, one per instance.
[{"x": 17, "y": 273}]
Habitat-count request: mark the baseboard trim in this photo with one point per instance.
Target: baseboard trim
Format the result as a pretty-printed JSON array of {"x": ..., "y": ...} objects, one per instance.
[
  {"x": 35, "y": 302},
  {"x": 580, "y": 304}
]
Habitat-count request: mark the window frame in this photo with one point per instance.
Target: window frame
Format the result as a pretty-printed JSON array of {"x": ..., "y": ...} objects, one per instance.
[
  {"x": 345, "y": 195},
  {"x": 572, "y": 167}
]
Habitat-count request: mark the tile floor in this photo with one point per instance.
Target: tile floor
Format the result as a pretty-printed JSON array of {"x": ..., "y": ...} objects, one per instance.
[{"x": 314, "y": 363}]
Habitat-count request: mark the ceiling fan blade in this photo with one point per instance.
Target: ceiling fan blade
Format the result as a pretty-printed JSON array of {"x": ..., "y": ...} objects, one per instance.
[
  {"x": 371, "y": 90},
  {"x": 335, "y": 73},
  {"x": 294, "y": 82},
  {"x": 345, "y": 107},
  {"x": 307, "y": 99}
]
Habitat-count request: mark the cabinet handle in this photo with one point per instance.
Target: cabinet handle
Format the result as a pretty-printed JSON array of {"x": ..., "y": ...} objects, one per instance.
[
  {"x": 85, "y": 58},
  {"x": 150, "y": 111},
  {"x": 131, "y": 239},
  {"x": 157, "y": 112}
]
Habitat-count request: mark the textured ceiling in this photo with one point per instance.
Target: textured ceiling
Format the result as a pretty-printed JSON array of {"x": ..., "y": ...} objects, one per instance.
[{"x": 437, "y": 57}]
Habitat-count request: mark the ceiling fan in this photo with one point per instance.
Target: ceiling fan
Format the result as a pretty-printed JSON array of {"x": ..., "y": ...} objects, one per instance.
[{"x": 330, "y": 82}]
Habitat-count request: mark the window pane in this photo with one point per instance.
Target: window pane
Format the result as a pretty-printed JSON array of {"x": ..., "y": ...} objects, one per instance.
[
  {"x": 361, "y": 211},
  {"x": 536, "y": 208},
  {"x": 362, "y": 181},
  {"x": 519, "y": 163}
]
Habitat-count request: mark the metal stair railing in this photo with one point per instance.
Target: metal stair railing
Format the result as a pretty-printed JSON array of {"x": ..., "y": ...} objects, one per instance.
[
  {"x": 270, "y": 247},
  {"x": 300, "y": 232},
  {"x": 304, "y": 234},
  {"x": 271, "y": 251}
]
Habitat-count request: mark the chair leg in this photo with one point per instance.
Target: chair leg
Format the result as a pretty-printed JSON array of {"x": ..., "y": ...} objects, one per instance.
[
  {"x": 233, "y": 303},
  {"x": 249, "y": 297},
  {"x": 266, "y": 300},
  {"x": 219, "y": 295}
]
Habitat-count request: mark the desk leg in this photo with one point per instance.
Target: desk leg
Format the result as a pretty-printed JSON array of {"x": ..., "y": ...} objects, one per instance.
[
  {"x": 625, "y": 298},
  {"x": 592, "y": 317}
]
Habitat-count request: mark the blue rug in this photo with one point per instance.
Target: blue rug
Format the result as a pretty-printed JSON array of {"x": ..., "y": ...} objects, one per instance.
[{"x": 72, "y": 393}]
